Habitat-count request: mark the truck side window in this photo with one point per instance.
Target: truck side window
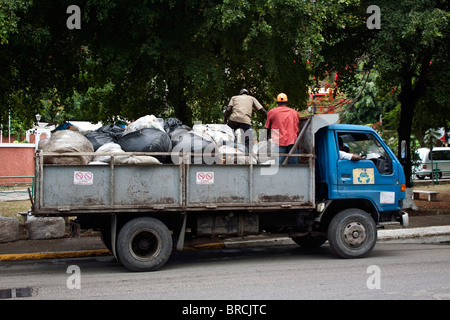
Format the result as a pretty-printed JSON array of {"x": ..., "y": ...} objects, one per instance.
[{"x": 367, "y": 145}]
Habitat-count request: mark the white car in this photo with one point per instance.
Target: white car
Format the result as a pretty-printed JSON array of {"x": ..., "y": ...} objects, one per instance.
[{"x": 441, "y": 162}]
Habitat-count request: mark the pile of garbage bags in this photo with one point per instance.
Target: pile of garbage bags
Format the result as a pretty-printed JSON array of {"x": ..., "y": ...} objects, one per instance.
[{"x": 205, "y": 143}]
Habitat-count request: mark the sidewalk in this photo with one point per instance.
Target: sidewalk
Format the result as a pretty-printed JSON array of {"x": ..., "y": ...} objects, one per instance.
[
  {"x": 14, "y": 195},
  {"x": 86, "y": 246}
]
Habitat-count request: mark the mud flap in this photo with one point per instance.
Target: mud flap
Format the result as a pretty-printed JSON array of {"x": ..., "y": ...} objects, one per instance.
[{"x": 114, "y": 235}]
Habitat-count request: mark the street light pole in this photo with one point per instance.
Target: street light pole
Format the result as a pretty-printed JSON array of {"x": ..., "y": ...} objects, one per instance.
[{"x": 9, "y": 126}]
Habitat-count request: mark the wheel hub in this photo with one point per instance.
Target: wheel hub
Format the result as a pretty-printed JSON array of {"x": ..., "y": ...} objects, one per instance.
[
  {"x": 145, "y": 245},
  {"x": 355, "y": 234}
]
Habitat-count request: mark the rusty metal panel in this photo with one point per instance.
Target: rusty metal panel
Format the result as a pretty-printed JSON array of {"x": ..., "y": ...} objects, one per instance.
[
  {"x": 184, "y": 187},
  {"x": 61, "y": 187},
  {"x": 290, "y": 184},
  {"x": 210, "y": 184},
  {"x": 147, "y": 185},
  {"x": 248, "y": 185}
]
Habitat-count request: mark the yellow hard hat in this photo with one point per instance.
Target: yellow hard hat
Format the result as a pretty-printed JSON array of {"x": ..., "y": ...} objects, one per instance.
[{"x": 282, "y": 97}]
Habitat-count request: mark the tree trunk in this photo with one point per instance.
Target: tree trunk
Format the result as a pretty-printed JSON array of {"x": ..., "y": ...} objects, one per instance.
[
  {"x": 408, "y": 99},
  {"x": 404, "y": 130},
  {"x": 178, "y": 101},
  {"x": 404, "y": 133}
]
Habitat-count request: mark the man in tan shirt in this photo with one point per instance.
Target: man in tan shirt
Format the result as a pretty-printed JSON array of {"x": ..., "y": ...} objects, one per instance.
[{"x": 241, "y": 109}]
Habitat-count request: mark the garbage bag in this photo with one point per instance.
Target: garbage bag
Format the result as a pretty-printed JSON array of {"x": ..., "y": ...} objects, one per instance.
[
  {"x": 143, "y": 160},
  {"x": 173, "y": 125},
  {"x": 230, "y": 155},
  {"x": 219, "y": 133},
  {"x": 66, "y": 141},
  {"x": 178, "y": 131},
  {"x": 98, "y": 139},
  {"x": 112, "y": 129},
  {"x": 108, "y": 147},
  {"x": 146, "y": 140},
  {"x": 264, "y": 150},
  {"x": 189, "y": 142},
  {"x": 104, "y": 135},
  {"x": 149, "y": 121}
]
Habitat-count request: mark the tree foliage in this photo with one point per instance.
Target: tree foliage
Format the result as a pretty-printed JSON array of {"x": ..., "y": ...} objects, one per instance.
[
  {"x": 186, "y": 58},
  {"x": 409, "y": 53},
  {"x": 173, "y": 58}
]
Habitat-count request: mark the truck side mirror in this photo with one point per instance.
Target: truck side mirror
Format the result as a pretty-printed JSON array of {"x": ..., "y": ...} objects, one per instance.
[{"x": 403, "y": 150}]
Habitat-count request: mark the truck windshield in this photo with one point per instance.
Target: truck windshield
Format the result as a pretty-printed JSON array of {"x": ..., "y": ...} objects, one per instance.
[{"x": 367, "y": 145}]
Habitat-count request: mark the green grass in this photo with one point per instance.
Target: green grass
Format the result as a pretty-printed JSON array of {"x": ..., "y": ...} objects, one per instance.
[{"x": 11, "y": 208}]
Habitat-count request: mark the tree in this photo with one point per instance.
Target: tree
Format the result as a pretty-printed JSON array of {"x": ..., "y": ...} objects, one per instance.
[
  {"x": 410, "y": 51},
  {"x": 37, "y": 57},
  {"x": 170, "y": 58},
  {"x": 372, "y": 104}
]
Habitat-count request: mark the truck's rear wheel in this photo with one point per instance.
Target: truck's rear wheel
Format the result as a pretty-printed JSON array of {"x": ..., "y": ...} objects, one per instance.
[
  {"x": 352, "y": 233},
  {"x": 144, "y": 244}
]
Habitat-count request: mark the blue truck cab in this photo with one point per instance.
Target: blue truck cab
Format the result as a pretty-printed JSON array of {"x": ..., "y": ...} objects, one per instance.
[{"x": 374, "y": 186}]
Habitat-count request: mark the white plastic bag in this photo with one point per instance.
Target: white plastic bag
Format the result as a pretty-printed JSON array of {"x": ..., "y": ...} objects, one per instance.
[
  {"x": 230, "y": 155},
  {"x": 264, "y": 151},
  {"x": 218, "y": 133},
  {"x": 149, "y": 121},
  {"x": 108, "y": 147}
]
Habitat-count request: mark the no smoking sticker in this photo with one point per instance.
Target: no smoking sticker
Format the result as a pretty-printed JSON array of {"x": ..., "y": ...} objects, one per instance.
[
  {"x": 205, "y": 178},
  {"x": 83, "y": 178}
]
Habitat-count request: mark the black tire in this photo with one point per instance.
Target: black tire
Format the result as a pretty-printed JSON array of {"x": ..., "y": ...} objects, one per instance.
[
  {"x": 309, "y": 242},
  {"x": 144, "y": 244},
  {"x": 434, "y": 174},
  {"x": 352, "y": 233}
]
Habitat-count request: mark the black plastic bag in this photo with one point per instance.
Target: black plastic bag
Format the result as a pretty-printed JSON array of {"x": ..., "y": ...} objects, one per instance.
[
  {"x": 103, "y": 135},
  {"x": 173, "y": 124},
  {"x": 99, "y": 138},
  {"x": 112, "y": 129},
  {"x": 146, "y": 140}
]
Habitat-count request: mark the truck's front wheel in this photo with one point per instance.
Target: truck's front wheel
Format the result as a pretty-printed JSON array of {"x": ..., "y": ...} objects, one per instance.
[
  {"x": 352, "y": 233},
  {"x": 144, "y": 244}
]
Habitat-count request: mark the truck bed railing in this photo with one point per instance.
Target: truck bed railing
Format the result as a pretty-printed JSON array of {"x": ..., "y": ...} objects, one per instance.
[{"x": 239, "y": 185}]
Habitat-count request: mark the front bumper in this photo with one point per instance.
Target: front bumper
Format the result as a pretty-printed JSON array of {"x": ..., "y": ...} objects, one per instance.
[
  {"x": 404, "y": 216},
  {"x": 395, "y": 218}
]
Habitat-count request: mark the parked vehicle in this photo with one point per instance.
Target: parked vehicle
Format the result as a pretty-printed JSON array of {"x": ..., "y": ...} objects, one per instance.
[
  {"x": 441, "y": 162},
  {"x": 143, "y": 211}
]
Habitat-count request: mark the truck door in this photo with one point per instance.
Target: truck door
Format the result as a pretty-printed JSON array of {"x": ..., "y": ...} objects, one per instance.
[{"x": 372, "y": 178}]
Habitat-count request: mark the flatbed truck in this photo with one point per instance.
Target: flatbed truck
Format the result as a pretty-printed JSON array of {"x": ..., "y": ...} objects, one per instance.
[{"x": 143, "y": 212}]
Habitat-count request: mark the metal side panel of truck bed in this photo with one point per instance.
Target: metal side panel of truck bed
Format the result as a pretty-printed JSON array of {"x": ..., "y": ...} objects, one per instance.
[{"x": 168, "y": 187}]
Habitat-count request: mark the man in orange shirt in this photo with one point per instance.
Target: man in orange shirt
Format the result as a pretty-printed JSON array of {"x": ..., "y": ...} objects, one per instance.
[{"x": 282, "y": 124}]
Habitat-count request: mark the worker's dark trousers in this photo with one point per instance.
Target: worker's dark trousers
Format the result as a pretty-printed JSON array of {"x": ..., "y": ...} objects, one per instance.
[{"x": 245, "y": 132}]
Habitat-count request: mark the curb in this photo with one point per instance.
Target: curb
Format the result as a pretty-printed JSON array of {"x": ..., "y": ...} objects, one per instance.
[
  {"x": 54, "y": 255},
  {"x": 413, "y": 233},
  {"x": 384, "y": 235}
]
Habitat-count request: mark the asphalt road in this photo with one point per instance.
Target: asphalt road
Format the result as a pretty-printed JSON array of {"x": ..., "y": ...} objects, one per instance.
[{"x": 393, "y": 271}]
